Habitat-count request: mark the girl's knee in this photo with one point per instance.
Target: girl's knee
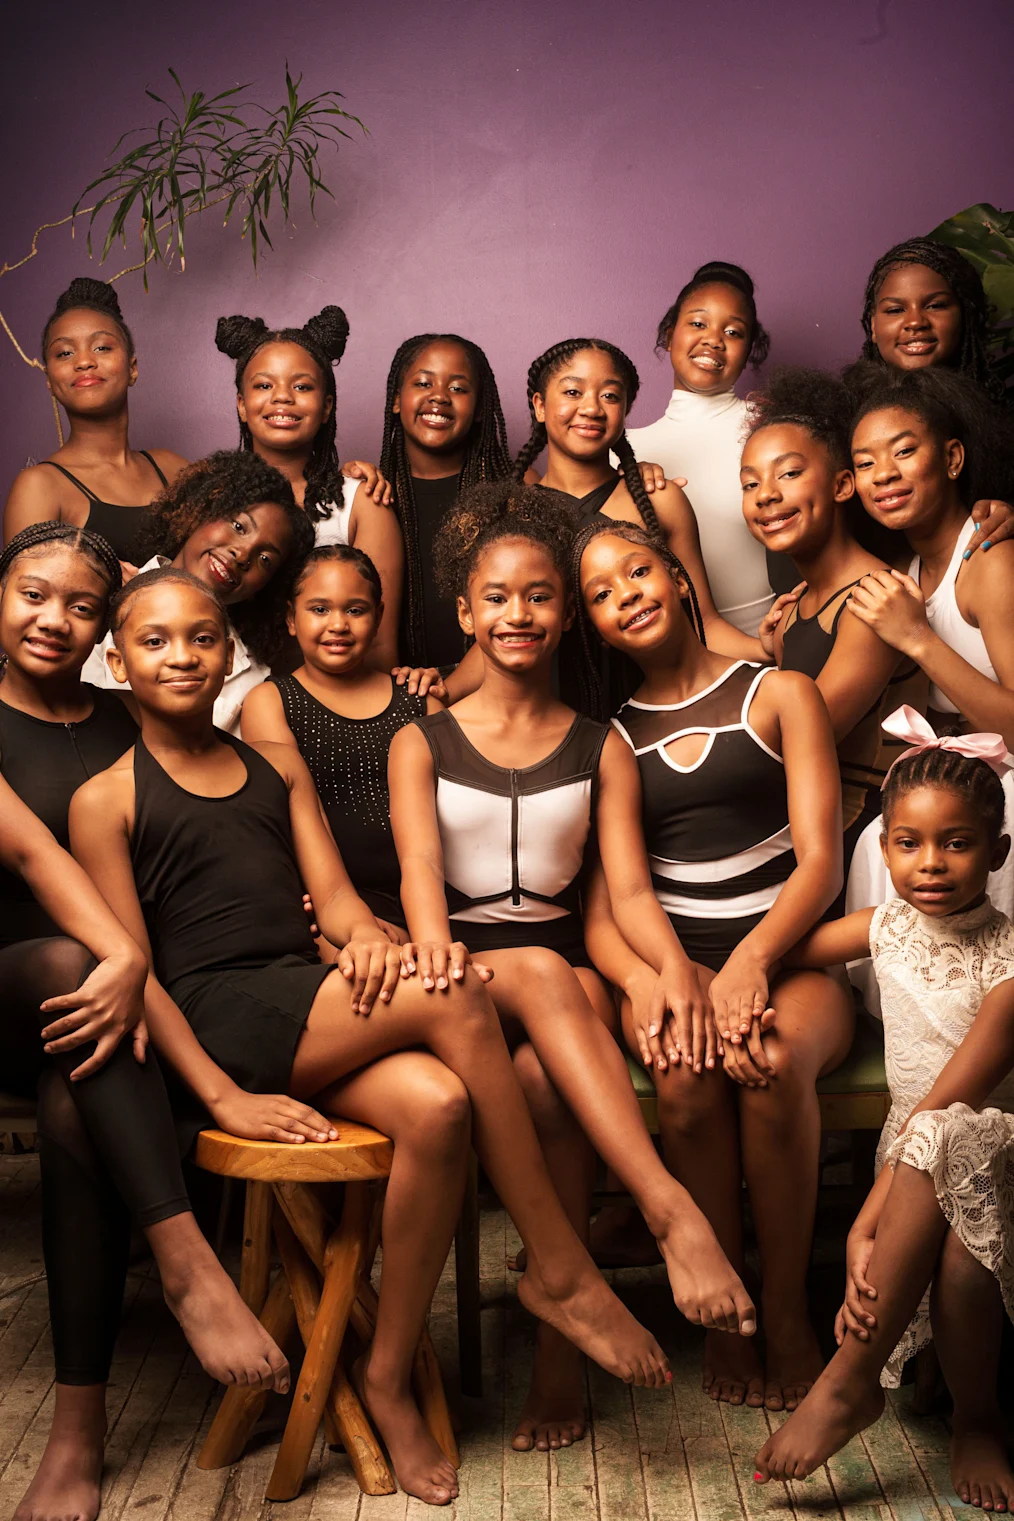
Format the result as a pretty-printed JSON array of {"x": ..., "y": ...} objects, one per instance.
[
  {"x": 439, "y": 1107},
  {"x": 61, "y": 965},
  {"x": 687, "y": 1101}
]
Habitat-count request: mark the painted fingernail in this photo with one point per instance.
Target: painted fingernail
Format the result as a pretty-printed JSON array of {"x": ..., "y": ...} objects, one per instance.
[
  {"x": 987, "y": 544},
  {"x": 968, "y": 554}
]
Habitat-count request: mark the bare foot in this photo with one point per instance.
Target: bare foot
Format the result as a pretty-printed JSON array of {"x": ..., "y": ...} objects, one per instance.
[
  {"x": 588, "y": 1314},
  {"x": 704, "y": 1285},
  {"x": 793, "y": 1362},
  {"x": 732, "y": 1370},
  {"x": 229, "y": 1341},
  {"x": 553, "y": 1414},
  {"x": 619, "y": 1238},
  {"x": 833, "y": 1411},
  {"x": 419, "y": 1466},
  {"x": 980, "y": 1471},
  {"x": 68, "y": 1480}
]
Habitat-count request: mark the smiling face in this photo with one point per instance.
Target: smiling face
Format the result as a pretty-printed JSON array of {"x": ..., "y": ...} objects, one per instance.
[
  {"x": 938, "y": 850},
  {"x": 283, "y": 399},
  {"x": 517, "y": 605},
  {"x": 173, "y": 648},
  {"x": 904, "y": 473},
  {"x": 89, "y": 368},
  {"x": 791, "y": 489},
  {"x": 436, "y": 399},
  {"x": 237, "y": 556},
  {"x": 710, "y": 341},
  {"x": 916, "y": 320},
  {"x": 631, "y": 598},
  {"x": 584, "y": 406},
  {"x": 52, "y": 611},
  {"x": 334, "y": 617}
]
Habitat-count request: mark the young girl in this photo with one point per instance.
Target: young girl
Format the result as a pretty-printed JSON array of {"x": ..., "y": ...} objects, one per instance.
[
  {"x": 492, "y": 804},
  {"x": 797, "y": 493},
  {"x": 742, "y": 817},
  {"x": 341, "y": 715},
  {"x": 711, "y": 333},
  {"x": 108, "y": 1150},
  {"x": 203, "y": 845},
  {"x": 913, "y": 443},
  {"x": 443, "y": 431},
  {"x": 94, "y": 480},
  {"x": 940, "y": 1213},
  {"x": 286, "y": 398},
  {"x": 231, "y": 521}
]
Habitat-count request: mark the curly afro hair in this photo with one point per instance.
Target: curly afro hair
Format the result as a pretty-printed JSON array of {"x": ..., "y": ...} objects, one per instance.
[
  {"x": 813, "y": 400},
  {"x": 225, "y": 483},
  {"x": 487, "y": 514}
]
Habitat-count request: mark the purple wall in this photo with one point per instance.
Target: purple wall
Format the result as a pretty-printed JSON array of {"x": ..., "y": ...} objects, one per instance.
[{"x": 533, "y": 170}]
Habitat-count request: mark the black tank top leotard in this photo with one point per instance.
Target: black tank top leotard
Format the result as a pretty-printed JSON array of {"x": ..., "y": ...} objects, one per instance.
[
  {"x": 45, "y": 763},
  {"x": 347, "y": 758},
  {"x": 118, "y": 525},
  {"x": 717, "y": 831},
  {"x": 514, "y": 839}
]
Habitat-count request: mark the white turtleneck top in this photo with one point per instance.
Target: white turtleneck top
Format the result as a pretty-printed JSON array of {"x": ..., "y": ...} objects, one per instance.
[{"x": 701, "y": 437}]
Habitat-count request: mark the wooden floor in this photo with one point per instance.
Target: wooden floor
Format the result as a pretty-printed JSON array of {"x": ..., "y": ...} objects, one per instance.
[{"x": 649, "y": 1456}]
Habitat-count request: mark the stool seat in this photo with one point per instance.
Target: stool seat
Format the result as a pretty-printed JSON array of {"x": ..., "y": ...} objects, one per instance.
[{"x": 357, "y": 1156}]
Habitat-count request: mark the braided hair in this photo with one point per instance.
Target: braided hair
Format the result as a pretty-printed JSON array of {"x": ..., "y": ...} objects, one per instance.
[
  {"x": 491, "y": 512},
  {"x": 541, "y": 371},
  {"x": 342, "y": 554},
  {"x": 324, "y": 338},
  {"x": 972, "y": 779},
  {"x": 37, "y": 537},
  {"x": 966, "y": 284},
  {"x": 718, "y": 272},
  {"x": 94, "y": 296},
  {"x": 594, "y": 693},
  {"x": 487, "y": 457},
  {"x": 211, "y": 489}
]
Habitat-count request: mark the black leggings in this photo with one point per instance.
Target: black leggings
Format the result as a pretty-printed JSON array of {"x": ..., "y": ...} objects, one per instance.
[{"x": 108, "y": 1151}]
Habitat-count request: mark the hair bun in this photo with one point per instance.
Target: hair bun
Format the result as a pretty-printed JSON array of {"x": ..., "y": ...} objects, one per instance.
[
  {"x": 84, "y": 291},
  {"x": 329, "y": 331},
  {"x": 234, "y": 336},
  {"x": 728, "y": 274}
]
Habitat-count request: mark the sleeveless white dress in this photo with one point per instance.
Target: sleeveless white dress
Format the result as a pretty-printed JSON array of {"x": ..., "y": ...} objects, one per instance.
[
  {"x": 933, "y": 976},
  {"x": 334, "y": 529}
]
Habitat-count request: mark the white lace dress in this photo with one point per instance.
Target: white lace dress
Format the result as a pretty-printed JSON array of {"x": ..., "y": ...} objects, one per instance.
[{"x": 933, "y": 975}]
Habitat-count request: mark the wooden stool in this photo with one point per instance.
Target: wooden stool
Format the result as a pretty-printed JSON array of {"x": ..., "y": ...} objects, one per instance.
[{"x": 323, "y": 1287}]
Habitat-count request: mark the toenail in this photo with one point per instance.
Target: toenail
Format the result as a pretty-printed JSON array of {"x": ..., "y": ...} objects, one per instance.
[{"x": 758, "y": 1477}]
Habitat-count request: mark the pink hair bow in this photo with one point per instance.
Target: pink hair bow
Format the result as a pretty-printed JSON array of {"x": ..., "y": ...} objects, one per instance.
[{"x": 906, "y": 723}]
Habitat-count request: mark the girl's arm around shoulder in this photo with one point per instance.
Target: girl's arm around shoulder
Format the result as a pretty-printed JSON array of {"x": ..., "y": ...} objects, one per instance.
[
  {"x": 855, "y": 674},
  {"x": 840, "y": 940},
  {"x": 264, "y": 717}
]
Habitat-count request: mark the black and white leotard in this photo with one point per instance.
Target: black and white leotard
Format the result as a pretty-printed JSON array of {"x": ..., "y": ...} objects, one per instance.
[
  {"x": 514, "y": 838},
  {"x": 717, "y": 831}
]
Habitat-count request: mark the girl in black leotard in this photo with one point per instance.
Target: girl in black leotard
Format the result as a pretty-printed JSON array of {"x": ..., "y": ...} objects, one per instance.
[
  {"x": 493, "y": 804},
  {"x": 342, "y": 716},
  {"x": 742, "y": 818},
  {"x": 106, "y": 1139},
  {"x": 95, "y": 479},
  {"x": 203, "y": 844},
  {"x": 798, "y": 493}
]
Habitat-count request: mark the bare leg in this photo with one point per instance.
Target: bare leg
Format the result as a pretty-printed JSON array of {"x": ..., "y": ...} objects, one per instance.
[
  {"x": 847, "y": 1396},
  {"x": 588, "y": 1069},
  {"x": 424, "y": 1108},
  {"x": 460, "y": 1027},
  {"x": 966, "y": 1311},
  {"x": 67, "y": 1482},
  {"x": 780, "y": 1128}
]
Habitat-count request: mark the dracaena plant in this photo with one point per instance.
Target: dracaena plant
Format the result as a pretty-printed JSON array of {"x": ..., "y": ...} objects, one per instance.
[
  {"x": 986, "y": 238},
  {"x": 226, "y": 150}
]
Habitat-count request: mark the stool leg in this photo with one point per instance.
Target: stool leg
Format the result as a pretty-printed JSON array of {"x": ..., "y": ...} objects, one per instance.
[
  {"x": 255, "y": 1267},
  {"x": 343, "y": 1262},
  {"x": 466, "y": 1267},
  {"x": 241, "y": 1407}
]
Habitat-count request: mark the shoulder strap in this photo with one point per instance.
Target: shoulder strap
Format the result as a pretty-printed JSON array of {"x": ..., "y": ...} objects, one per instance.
[
  {"x": 154, "y": 467},
  {"x": 85, "y": 490}
]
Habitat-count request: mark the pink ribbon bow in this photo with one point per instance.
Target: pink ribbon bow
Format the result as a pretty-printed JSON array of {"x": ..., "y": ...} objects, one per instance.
[{"x": 906, "y": 723}]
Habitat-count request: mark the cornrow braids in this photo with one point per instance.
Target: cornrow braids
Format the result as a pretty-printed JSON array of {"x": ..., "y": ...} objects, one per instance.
[
  {"x": 37, "y": 536},
  {"x": 718, "y": 272},
  {"x": 541, "y": 371},
  {"x": 491, "y": 512},
  {"x": 342, "y": 554},
  {"x": 160, "y": 576},
  {"x": 487, "y": 458},
  {"x": 324, "y": 338},
  {"x": 971, "y": 778},
  {"x": 594, "y": 693},
  {"x": 964, "y": 280}
]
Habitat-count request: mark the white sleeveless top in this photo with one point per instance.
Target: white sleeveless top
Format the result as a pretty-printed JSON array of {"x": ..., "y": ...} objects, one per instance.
[
  {"x": 944, "y": 618},
  {"x": 334, "y": 529}
]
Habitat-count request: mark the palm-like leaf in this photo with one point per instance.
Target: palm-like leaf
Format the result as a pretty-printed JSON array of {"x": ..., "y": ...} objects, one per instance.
[{"x": 986, "y": 238}]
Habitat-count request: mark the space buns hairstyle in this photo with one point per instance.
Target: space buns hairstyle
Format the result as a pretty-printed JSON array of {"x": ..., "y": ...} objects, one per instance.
[{"x": 95, "y": 296}]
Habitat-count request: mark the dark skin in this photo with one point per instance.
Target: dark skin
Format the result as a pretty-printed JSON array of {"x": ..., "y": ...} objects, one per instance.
[
  {"x": 237, "y": 556},
  {"x": 916, "y": 320},
  {"x": 90, "y": 372},
  {"x": 939, "y": 855},
  {"x": 436, "y": 402},
  {"x": 710, "y": 340}
]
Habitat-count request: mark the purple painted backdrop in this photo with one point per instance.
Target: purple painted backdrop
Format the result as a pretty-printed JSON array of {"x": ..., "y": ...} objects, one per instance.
[{"x": 533, "y": 170}]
